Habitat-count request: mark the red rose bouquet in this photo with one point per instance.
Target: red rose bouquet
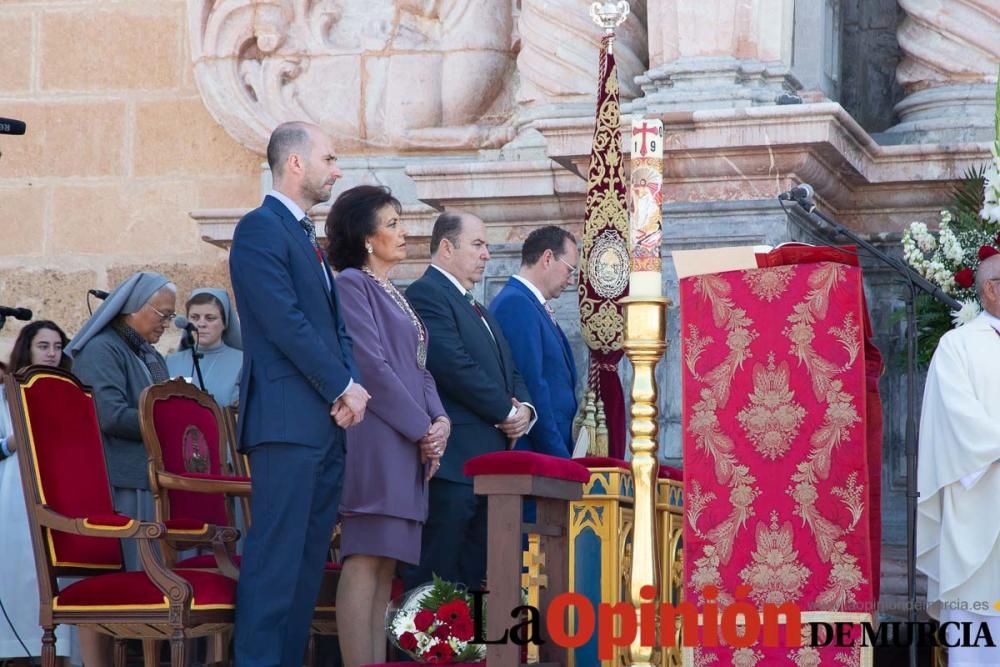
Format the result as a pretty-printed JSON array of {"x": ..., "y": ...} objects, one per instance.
[{"x": 433, "y": 624}]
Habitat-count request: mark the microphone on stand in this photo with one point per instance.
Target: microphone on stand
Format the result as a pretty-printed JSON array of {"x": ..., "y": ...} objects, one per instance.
[
  {"x": 182, "y": 323},
  {"x": 801, "y": 195},
  {"x": 17, "y": 313},
  {"x": 23, "y": 314},
  {"x": 191, "y": 338},
  {"x": 99, "y": 293}
]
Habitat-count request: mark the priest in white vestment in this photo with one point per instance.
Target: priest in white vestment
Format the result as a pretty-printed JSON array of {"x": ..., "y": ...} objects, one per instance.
[{"x": 958, "y": 514}]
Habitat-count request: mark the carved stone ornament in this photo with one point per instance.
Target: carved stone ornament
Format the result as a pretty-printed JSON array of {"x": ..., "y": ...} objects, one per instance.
[
  {"x": 949, "y": 69},
  {"x": 381, "y": 76}
]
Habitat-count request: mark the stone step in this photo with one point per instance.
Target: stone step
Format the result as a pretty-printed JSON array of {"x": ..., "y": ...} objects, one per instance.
[{"x": 893, "y": 597}]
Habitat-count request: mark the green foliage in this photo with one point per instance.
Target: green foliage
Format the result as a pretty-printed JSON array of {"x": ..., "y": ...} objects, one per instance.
[
  {"x": 443, "y": 592},
  {"x": 967, "y": 196}
]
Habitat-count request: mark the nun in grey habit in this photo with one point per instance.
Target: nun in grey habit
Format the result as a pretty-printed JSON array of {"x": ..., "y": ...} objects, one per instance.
[
  {"x": 114, "y": 354},
  {"x": 222, "y": 360}
]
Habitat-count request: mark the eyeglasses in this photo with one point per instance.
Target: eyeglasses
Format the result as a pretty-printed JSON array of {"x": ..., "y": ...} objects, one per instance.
[
  {"x": 572, "y": 269},
  {"x": 164, "y": 318}
]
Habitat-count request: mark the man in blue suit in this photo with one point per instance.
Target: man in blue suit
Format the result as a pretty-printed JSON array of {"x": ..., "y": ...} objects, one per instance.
[
  {"x": 300, "y": 389},
  {"x": 540, "y": 348}
]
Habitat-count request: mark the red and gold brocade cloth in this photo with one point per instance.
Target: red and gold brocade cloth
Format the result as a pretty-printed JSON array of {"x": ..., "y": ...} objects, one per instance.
[
  {"x": 782, "y": 441},
  {"x": 604, "y": 262}
]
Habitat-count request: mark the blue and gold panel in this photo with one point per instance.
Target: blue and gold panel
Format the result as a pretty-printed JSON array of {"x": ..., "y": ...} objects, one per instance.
[{"x": 600, "y": 539}]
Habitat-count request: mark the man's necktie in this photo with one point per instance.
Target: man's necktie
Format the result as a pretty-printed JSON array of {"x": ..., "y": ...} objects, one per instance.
[
  {"x": 475, "y": 306},
  {"x": 552, "y": 314},
  {"x": 310, "y": 228}
]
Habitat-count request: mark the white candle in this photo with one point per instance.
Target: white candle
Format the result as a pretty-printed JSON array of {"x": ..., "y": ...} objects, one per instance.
[{"x": 645, "y": 207}]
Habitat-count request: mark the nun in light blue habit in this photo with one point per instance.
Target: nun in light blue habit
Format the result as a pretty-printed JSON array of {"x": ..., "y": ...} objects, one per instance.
[
  {"x": 219, "y": 340},
  {"x": 114, "y": 354}
]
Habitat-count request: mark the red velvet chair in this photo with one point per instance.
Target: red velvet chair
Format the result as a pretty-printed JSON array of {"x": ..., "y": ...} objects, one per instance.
[
  {"x": 188, "y": 446},
  {"x": 75, "y": 531},
  {"x": 191, "y": 442}
]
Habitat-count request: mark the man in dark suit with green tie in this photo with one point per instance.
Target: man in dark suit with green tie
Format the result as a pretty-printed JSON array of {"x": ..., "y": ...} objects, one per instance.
[{"x": 481, "y": 390}]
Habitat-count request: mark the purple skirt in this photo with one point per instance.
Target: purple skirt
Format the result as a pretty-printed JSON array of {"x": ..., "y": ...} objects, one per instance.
[{"x": 380, "y": 535}]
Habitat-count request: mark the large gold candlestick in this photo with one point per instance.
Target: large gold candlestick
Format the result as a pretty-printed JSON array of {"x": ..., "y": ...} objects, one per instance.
[{"x": 645, "y": 342}]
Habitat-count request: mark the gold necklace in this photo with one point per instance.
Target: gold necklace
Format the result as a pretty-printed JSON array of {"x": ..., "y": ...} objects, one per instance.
[{"x": 404, "y": 305}]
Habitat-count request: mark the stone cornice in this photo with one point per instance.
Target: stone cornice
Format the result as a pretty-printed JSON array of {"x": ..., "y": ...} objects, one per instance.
[{"x": 757, "y": 152}]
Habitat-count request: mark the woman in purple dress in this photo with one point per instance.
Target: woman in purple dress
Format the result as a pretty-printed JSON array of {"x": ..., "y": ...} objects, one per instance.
[{"x": 396, "y": 449}]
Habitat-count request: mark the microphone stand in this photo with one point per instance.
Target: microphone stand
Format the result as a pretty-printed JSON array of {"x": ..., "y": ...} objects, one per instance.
[
  {"x": 196, "y": 356},
  {"x": 914, "y": 282}
]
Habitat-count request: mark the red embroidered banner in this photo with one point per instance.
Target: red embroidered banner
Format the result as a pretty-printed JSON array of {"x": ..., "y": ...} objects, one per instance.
[
  {"x": 782, "y": 441},
  {"x": 604, "y": 263}
]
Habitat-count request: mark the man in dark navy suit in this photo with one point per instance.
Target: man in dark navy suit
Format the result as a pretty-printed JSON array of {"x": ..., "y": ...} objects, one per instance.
[
  {"x": 300, "y": 389},
  {"x": 480, "y": 388},
  {"x": 541, "y": 350}
]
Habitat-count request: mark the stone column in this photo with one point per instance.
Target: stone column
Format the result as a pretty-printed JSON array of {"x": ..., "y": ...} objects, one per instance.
[
  {"x": 720, "y": 54},
  {"x": 951, "y": 49},
  {"x": 557, "y": 63}
]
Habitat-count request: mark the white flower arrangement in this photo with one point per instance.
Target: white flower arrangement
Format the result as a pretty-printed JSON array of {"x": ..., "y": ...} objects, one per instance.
[
  {"x": 967, "y": 234},
  {"x": 968, "y": 312},
  {"x": 433, "y": 623}
]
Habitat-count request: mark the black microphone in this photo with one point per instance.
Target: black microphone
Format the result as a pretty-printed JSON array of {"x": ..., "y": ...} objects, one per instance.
[
  {"x": 191, "y": 340},
  {"x": 99, "y": 293},
  {"x": 17, "y": 313},
  {"x": 800, "y": 193},
  {"x": 181, "y": 322},
  {"x": 11, "y": 126}
]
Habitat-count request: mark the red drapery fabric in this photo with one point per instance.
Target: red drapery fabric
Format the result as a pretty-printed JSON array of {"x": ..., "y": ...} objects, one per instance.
[
  {"x": 782, "y": 439},
  {"x": 604, "y": 264}
]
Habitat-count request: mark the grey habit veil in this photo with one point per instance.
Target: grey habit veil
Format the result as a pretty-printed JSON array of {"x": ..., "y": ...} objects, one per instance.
[
  {"x": 126, "y": 299},
  {"x": 118, "y": 371},
  {"x": 222, "y": 365}
]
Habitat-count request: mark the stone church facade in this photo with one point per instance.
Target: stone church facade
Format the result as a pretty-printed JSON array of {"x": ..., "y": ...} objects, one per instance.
[{"x": 147, "y": 122}]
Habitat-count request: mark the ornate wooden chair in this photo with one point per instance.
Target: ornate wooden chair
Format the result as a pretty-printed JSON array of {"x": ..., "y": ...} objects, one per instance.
[
  {"x": 191, "y": 442},
  {"x": 75, "y": 531},
  {"x": 189, "y": 450}
]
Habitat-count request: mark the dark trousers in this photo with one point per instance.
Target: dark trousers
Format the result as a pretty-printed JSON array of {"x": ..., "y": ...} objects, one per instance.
[
  {"x": 295, "y": 496},
  {"x": 453, "y": 545}
]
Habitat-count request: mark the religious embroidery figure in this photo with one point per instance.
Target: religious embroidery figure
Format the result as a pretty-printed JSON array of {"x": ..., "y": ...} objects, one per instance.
[
  {"x": 195, "y": 450},
  {"x": 609, "y": 265},
  {"x": 645, "y": 202}
]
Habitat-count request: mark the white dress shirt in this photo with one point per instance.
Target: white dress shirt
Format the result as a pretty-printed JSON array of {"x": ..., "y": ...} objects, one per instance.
[
  {"x": 534, "y": 290},
  {"x": 454, "y": 281}
]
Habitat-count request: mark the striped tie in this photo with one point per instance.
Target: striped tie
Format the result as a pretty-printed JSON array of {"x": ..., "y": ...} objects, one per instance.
[{"x": 475, "y": 306}]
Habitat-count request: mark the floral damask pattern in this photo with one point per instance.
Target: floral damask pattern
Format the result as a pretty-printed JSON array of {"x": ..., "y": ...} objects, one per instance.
[
  {"x": 776, "y": 575},
  {"x": 768, "y": 284},
  {"x": 774, "y": 426},
  {"x": 746, "y": 657},
  {"x": 772, "y": 419}
]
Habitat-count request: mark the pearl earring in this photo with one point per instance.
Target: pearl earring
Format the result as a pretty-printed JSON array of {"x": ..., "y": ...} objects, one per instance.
[{"x": 369, "y": 248}]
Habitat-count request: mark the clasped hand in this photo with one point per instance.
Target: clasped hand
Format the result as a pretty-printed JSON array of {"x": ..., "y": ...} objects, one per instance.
[
  {"x": 433, "y": 444},
  {"x": 517, "y": 424},
  {"x": 349, "y": 409}
]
